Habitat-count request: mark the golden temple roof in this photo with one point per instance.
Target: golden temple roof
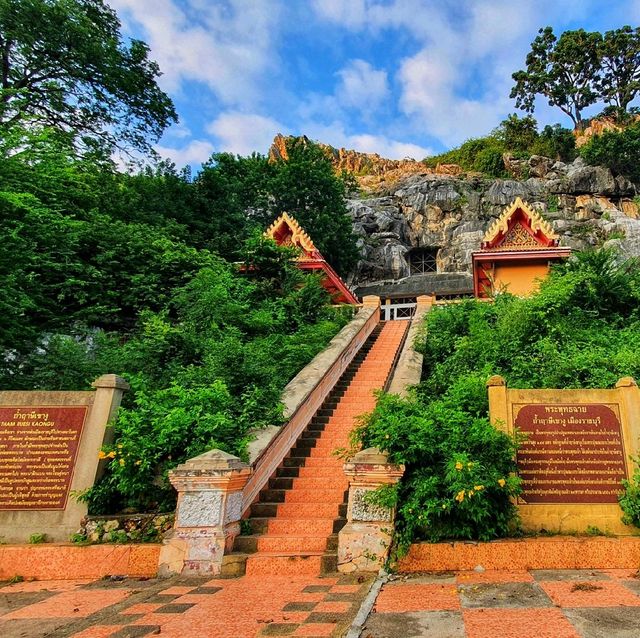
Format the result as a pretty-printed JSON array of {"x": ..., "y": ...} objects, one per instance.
[
  {"x": 536, "y": 222},
  {"x": 298, "y": 236}
]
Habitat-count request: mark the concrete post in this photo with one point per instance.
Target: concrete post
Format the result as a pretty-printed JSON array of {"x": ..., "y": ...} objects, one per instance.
[
  {"x": 363, "y": 543},
  {"x": 207, "y": 515},
  {"x": 498, "y": 410}
]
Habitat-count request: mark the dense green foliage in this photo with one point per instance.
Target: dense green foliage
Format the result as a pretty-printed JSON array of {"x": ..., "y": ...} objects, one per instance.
[
  {"x": 104, "y": 271},
  {"x": 63, "y": 64},
  {"x": 581, "y": 330},
  {"x": 205, "y": 371},
  {"x": 108, "y": 272},
  {"x": 617, "y": 150},
  {"x": 458, "y": 481},
  {"x": 516, "y": 136},
  {"x": 579, "y": 69}
]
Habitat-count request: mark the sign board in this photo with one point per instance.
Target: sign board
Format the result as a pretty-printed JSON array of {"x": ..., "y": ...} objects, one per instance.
[
  {"x": 49, "y": 446},
  {"x": 575, "y": 451},
  {"x": 38, "y": 448}
]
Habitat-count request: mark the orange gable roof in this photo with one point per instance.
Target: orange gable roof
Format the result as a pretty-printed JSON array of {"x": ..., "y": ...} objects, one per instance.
[
  {"x": 286, "y": 231},
  {"x": 520, "y": 227},
  {"x": 520, "y": 236}
]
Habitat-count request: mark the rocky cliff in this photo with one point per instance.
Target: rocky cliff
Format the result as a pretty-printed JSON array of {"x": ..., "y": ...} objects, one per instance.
[
  {"x": 370, "y": 169},
  {"x": 449, "y": 214}
]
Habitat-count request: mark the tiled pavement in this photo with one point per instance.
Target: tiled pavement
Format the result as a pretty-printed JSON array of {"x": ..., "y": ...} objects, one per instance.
[
  {"x": 179, "y": 608},
  {"x": 515, "y": 604}
]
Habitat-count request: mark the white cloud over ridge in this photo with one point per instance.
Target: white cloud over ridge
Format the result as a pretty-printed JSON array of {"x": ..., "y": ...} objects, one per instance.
[
  {"x": 362, "y": 86},
  {"x": 334, "y": 133},
  {"x": 243, "y": 133}
]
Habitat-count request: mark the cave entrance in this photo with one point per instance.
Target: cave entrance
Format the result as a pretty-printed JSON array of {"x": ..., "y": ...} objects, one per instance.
[{"x": 423, "y": 260}]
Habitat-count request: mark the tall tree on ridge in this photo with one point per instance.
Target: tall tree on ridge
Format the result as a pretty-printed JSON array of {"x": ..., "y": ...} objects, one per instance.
[
  {"x": 619, "y": 79},
  {"x": 563, "y": 70}
]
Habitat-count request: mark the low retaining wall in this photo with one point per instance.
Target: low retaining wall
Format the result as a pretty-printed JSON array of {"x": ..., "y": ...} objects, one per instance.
[
  {"x": 53, "y": 561},
  {"x": 304, "y": 395},
  {"x": 555, "y": 552},
  {"x": 126, "y": 528},
  {"x": 408, "y": 370}
]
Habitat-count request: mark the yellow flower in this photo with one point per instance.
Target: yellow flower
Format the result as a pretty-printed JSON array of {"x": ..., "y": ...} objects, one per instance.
[
  {"x": 119, "y": 446},
  {"x": 502, "y": 482},
  {"x": 102, "y": 455},
  {"x": 444, "y": 506},
  {"x": 477, "y": 488},
  {"x": 459, "y": 466},
  {"x": 138, "y": 462},
  {"x": 111, "y": 455},
  {"x": 470, "y": 493},
  {"x": 386, "y": 436},
  {"x": 469, "y": 465},
  {"x": 121, "y": 462},
  {"x": 460, "y": 496}
]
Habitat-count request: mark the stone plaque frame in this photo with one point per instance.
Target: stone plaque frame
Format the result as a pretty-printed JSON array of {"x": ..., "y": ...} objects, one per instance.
[
  {"x": 17, "y": 525},
  {"x": 624, "y": 400}
]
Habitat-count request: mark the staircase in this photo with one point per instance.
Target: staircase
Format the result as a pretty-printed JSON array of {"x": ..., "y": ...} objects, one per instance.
[{"x": 295, "y": 522}]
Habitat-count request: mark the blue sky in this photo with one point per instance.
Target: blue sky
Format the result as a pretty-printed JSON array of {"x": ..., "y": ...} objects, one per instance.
[{"x": 402, "y": 78}]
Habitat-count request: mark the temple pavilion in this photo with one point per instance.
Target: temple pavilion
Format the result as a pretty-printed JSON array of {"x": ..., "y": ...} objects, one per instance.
[
  {"x": 286, "y": 231},
  {"x": 516, "y": 254}
]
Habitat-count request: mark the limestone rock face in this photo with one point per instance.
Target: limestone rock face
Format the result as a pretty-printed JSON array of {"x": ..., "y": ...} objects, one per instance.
[
  {"x": 449, "y": 214},
  {"x": 408, "y": 208}
]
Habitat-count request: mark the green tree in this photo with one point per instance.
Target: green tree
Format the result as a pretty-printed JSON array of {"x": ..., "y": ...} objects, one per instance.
[
  {"x": 63, "y": 64},
  {"x": 557, "y": 142},
  {"x": 518, "y": 133},
  {"x": 232, "y": 195},
  {"x": 618, "y": 82},
  {"x": 617, "y": 150},
  {"x": 306, "y": 186},
  {"x": 563, "y": 70}
]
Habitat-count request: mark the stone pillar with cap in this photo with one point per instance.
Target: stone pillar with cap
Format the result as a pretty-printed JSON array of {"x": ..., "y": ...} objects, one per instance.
[
  {"x": 207, "y": 514},
  {"x": 363, "y": 543}
]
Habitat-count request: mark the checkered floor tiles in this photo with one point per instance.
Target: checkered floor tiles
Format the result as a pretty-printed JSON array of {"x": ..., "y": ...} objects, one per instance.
[{"x": 535, "y": 604}]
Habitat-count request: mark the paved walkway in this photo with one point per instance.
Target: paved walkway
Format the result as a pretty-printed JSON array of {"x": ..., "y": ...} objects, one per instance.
[
  {"x": 515, "y": 604},
  {"x": 182, "y": 608}
]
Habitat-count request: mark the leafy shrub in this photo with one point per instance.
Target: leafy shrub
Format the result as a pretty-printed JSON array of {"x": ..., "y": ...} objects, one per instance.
[
  {"x": 489, "y": 161},
  {"x": 556, "y": 142},
  {"x": 617, "y": 150},
  {"x": 478, "y": 154},
  {"x": 458, "y": 482},
  {"x": 518, "y": 133},
  {"x": 581, "y": 330},
  {"x": 630, "y": 498}
]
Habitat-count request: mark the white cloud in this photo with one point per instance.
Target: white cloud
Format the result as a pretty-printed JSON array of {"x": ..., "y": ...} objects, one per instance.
[
  {"x": 429, "y": 94},
  {"x": 350, "y": 13},
  {"x": 361, "y": 86},
  {"x": 228, "y": 45},
  {"x": 196, "y": 152},
  {"x": 243, "y": 133},
  {"x": 457, "y": 84}
]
